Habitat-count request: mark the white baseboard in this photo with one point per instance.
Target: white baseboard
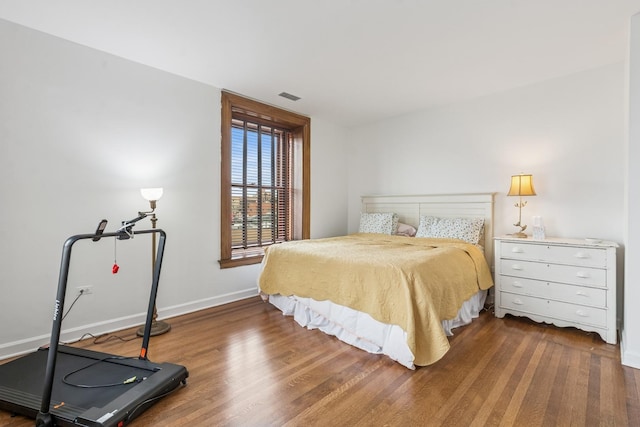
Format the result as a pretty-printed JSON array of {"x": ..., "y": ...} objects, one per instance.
[
  {"x": 17, "y": 348},
  {"x": 190, "y": 307},
  {"x": 628, "y": 358}
]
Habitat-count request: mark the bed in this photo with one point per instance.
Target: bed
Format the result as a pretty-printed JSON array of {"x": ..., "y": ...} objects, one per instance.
[{"x": 384, "y": 291}]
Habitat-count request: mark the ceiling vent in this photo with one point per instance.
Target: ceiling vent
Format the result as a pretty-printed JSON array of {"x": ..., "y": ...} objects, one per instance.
[{"x": 289, "y": 96}]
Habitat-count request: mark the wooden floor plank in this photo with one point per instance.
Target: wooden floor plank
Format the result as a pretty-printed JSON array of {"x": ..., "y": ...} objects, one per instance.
[
  {"x": 566, "y": 392},
  {"x": 542, "y": 382},
  {"x": 517, "y": 400},
  {"x": 503, "y": 370},
  {"x": 632, "y": 386},
  {"x": 249, "y": 366}
]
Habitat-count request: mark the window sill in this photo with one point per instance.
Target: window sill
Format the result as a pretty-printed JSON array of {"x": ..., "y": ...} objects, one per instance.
[{"x": 240, "y": 261}]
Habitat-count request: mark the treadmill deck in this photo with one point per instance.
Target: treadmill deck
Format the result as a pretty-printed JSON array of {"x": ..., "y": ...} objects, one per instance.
[{"x": 21, "y": 386}]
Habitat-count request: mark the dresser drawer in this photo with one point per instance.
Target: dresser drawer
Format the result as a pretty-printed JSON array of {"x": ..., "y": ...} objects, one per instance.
[
  {"x": 589, "y": 257},
  {"x": 554, "y": 309},
  {"x": 594, "y": 297},
  {"x": 554, "y": 272}
]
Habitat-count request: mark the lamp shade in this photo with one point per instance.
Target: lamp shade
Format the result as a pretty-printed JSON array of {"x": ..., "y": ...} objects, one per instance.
[
  {"x": 151, "y": 194},
  {"x": 521, "y": 185}
]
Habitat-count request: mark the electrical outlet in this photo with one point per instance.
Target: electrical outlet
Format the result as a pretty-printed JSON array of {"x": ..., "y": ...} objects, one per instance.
[{"x": 85, "y": 290}]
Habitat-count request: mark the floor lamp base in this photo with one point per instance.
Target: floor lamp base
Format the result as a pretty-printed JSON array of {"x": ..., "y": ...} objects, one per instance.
[{"x": 158, "y": 327}]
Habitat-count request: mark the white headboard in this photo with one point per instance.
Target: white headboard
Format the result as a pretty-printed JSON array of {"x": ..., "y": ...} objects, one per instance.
[{"x": 410, "y": 208}]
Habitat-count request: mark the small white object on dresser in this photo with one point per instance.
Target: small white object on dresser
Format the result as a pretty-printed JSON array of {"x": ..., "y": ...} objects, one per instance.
[{"x": 566, "y": 282}]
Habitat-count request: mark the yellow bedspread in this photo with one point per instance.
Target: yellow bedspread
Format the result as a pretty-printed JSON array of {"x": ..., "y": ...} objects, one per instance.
[{"x": 414, "y": 283}]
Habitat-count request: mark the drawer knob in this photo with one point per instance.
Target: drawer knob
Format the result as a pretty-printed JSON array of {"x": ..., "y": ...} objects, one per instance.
[
  {"x": 582, "y": 275},
  {"x": 517, "y": 285},
  {"x": 518, "y": 301},
  {"x": 582, "y": 293},
  {"x": 582, "y": 313},
  {"x": 516, "y": 250},
  {"x": 516, "y": 267},
  {"x": 582, "y": 255}
]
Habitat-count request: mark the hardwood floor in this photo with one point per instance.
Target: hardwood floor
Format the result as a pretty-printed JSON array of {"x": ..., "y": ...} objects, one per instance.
[{"x": 251, "y": 366}]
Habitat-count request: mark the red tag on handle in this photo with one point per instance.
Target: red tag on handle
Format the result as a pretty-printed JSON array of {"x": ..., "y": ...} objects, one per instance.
[{"x": 115, "y": 268}]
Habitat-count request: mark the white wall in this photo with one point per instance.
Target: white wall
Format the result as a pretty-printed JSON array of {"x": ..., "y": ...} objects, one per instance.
[
  {"x": 329, "y": 179},
  {"x": 631, "y": 329},
  {"x": 80, "y": 132},
  {"x": 568, "y": 132}
]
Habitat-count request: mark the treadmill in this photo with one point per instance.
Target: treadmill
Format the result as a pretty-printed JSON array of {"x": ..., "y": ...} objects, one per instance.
[{"x": 67, "y": 386}]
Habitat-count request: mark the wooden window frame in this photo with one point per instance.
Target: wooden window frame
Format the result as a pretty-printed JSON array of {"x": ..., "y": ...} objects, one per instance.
[{"x": 237, "y": 106}]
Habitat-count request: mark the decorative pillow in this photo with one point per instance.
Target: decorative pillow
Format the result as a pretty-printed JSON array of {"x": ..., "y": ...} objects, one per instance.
[
  {"x": 383, "y": 223},
  {"x": 405, "y": 230},
  {"x": 467, "y": 229}
]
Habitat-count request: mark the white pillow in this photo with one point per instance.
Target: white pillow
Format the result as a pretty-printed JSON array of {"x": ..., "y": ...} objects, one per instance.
[
  {"x": 383, "y": 223},
  {"x": 467, "y": 229}
]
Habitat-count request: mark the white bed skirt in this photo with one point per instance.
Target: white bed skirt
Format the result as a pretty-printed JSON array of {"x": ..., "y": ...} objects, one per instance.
[{"x": 361, "y": 330}]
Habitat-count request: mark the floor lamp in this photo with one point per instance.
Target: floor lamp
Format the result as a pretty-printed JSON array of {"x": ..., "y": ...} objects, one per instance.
[{"x": 152, "y": 195}]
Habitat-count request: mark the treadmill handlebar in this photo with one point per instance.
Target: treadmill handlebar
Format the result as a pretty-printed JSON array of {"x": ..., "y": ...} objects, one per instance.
[{"x": 117, "y": 234}]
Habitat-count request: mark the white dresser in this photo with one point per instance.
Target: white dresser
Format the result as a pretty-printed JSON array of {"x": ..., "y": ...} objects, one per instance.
[{"x": 567, "y": 282}]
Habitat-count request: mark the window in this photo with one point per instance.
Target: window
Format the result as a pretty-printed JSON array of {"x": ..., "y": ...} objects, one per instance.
[{"x": 265, "y": 179}]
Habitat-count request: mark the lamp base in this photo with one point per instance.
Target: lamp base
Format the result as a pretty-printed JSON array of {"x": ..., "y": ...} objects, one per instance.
[
  {"x": 519, "y": 235},
  {"x": 158, "y": 327}
]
